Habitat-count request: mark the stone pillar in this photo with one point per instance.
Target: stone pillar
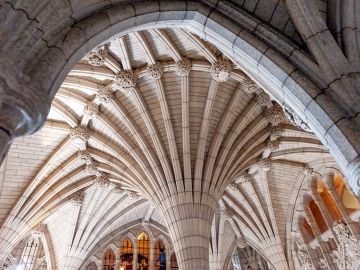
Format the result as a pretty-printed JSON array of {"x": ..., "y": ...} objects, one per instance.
[
  {"x": 152, "y": 257},
  {"x": 189, "y": 226},
  {"x": 135, "y": 256},
  {"x": 23, "y": 107}
]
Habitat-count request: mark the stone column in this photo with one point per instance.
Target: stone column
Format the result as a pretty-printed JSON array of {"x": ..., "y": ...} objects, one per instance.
[
  {"x": 135, "y": 256},
  {"x": 23, "y": 106},
  {"x": 152, "y": 257},
  {"x": 189, "y": 226}
]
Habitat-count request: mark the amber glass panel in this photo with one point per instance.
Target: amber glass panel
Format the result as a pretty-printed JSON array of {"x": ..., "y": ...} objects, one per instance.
[
  {"x": 318, "y": 216},
  {"x": 309, "y": 230},
  {"x": 109, "y": 261},
  {"x": 126, "y": 250},
  {"x": 160, "y": 255},
  {"x": 328, "y": 201},
  {"x": 143, "y": 252},
  {"x": 173, "y": 262},
  {"x": 347, "y": 197}
]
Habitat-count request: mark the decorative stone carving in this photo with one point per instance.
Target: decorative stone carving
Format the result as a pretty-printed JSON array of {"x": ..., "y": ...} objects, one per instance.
[
  {"x": 183, "y": 67},
  {"x": 233, "y": 186},
  {"x": 124, "y": 81},
  {"x": 102, "y": 182},
  {"x": 91, "y": 110},
  {"x": 323, "y": 264},
  {"x": 85, "y": 157},
  {"x": 43, "y": 265},
  {"x": 263, "y": 99},
  {"x": 250, "y": 87},
  {"x": 118, "y": 189},
  {"x": 7, "y": 263},
  {"x": 91, "y": 169},
  {"x": 155, "y": 71},
  {"x": 244, "y": 179},
  {"x": 96, "y": 57},
  {"x": 145, "y": 223},
  {"x": 77, "y": 198},
  {"x": 303, "y": 255},
  {"x": 275, "y": 114},
  {"x": 235, "y": 260},
  {"x": 276, "y": 132},
  {"x": 273, "y": 145},
  {"x": 308, "y": 169},
  {"x": 38, "y": 229},
  {"x": 265, "y": 164},
  {"x": 133, "y": 195},
  {"x": 240, "y": 242},
  {"x": 295, "y": 119},
  {"x": 347, "y": 241},
  {"x": 79, "y": 134},
  {"x": 221, "y": 70},
  {"x": 104, "y": 95}
]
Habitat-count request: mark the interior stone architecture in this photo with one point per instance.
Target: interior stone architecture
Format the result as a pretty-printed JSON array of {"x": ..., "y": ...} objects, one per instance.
[{"x": 190, "y": 135}]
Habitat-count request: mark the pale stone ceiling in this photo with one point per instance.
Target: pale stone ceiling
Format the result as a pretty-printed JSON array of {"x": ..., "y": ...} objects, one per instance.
[{"x": 150, "y": 136}]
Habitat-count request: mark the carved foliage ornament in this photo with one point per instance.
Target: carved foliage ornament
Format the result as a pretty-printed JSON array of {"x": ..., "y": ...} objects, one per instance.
[
  {"x": 104, "y": 95},
  {"x": 6, "y": 264},
  {"x": 183, "y": 67},
  {"x": 124, "y": 81},
  {"x": 97, "y": 57},
  {"x": 91, "y": 110},
  {"x": 250, "y": 87},
  {"x": 43, "y": 265},
  {"x": 102, "y": 182},
  {"x": 349, "y": 247},
  {"x": 85, "y": 157},
  {"x": 221, "y": 70},
  {"x": 241, "y": 243},
  {"x": 265, "y": 163},
  {"x": 275, "y": 114},
  {"x": 77, "y": 198},
  {"x": 155, "y": 71},
  {"x": 245, "y": 179},
  {"x": 79, "y": 134},
  {"x": 303, "y": 255}
]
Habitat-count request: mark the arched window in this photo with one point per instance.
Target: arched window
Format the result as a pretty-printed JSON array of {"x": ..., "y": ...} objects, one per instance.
[
  {"x": 127, "y": 253},
  {"x": 91, "y": 266},
  {"x": 173, "y": 262},
  {"x": 29, "y": 254},
  {"x": 328, "y": 200},
  {"x": 109, "y": 260},
  {"x": 309, "y": 232},
  {"x": 350, "y": 202},
  {"x": 318, "y": 217},
  {"x": 143, "y": 251},
  {"x": 160, "y": 255}
]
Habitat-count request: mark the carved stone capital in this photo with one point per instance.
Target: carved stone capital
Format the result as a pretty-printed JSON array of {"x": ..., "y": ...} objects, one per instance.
[
  {"x": 233, "y": 186},
  {"x": 244, "y": 179},
  {"x": 183, "y": 67},
  {"x": 102, "y": 181},
  {"x": 91, "y": 110},
  {"x": 79, "y": 134},
  {"x": 265, "y": 164},
  {"x": 117, "y": 188},
  {"x": 77, "y": 198},
  {"x": 274, "y": 115},
  {"x": 263, "y": 99},
  {"x": 104, "y": 95},
  {"x": 91, "y": 169},
  {"x": 276, "y": 132},
  {"x": 85, "y": 157},
  {"x": 250, "y": 87},
  {"x": 221, "y": 70},
  {"x": 241, "y": 242},
  {"x": 273, "y": 145},
  {"x": 124, "y": 81},
  {"x": 308, "y": 170},
  {"x": 133, "y": 195},
  {"x": 97, "y": 56},
  {"x": 155, "y": 71}
]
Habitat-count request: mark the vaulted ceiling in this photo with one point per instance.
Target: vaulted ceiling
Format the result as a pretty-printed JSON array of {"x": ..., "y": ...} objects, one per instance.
[{"x": 139, "y": 118}]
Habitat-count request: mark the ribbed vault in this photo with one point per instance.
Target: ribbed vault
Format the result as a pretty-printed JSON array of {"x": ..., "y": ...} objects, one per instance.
[{"x": 161, "y": 117}]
